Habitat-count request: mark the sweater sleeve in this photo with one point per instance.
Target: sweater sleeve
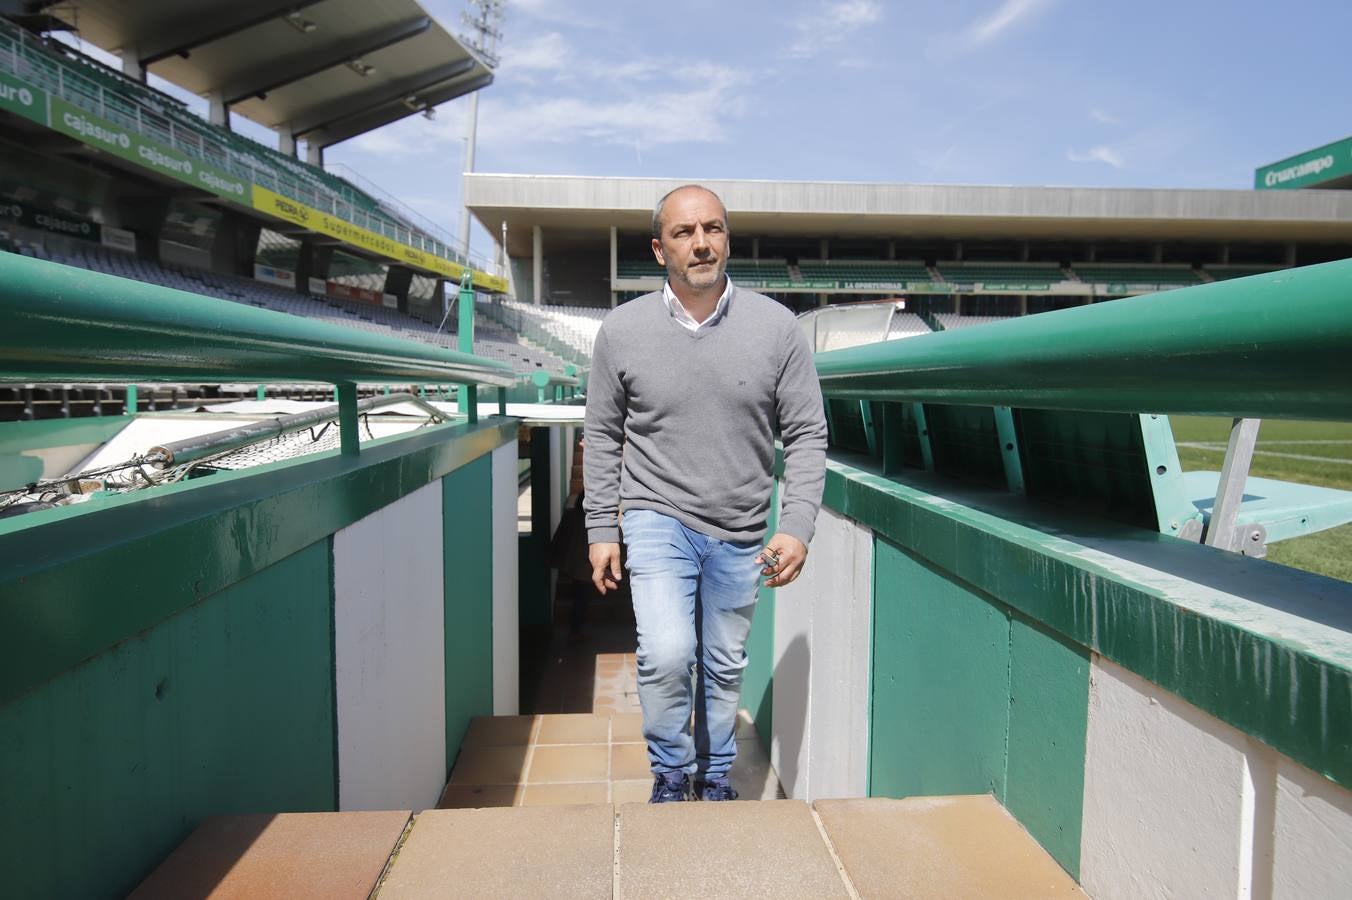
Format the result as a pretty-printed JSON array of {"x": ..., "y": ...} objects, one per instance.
[
  {"x": 802, "y": 426},
  {"x": 603, "y": 431}
]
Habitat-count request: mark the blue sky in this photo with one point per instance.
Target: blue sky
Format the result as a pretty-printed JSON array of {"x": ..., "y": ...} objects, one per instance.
[{"x": 1193, "y": 93}]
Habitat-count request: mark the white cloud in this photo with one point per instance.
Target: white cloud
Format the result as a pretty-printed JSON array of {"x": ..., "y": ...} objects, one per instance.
[
  {"x": 1009, "y": 14},
  {"x": 1101, "y": 153},
  {"x": 548, "y": 52},
  {"x": 674, "y": 117},
  {"x": 830, "y": 23},
  {"x": 1102, "y": 117}
]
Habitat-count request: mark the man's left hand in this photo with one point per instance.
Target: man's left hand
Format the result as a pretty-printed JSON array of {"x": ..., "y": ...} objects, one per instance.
[{"x": 792, "y": 554}]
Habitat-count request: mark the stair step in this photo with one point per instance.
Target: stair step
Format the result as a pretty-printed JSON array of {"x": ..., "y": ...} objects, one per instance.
[
  {"x": 921, "y": 847},
  {"x": 289, "y": 855}
]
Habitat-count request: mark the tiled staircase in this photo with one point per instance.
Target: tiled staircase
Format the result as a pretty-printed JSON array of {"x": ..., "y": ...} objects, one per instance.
[{"x": 919, "y": 847}]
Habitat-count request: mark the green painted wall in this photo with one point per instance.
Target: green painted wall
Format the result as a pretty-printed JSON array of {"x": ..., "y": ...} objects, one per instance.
[
  {"x": 971, "y": 697},
  {"x": 467, "y": 529},
  {"x": 226, "y": 707},
  {"x": 1048, "y": 715},
  {"x": 758, "y": 677},
  {"x": 940, "y": 682}
]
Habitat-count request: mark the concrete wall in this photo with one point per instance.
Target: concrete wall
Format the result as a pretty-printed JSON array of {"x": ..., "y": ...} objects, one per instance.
[
  {"x": 1171, "y": 731},
  {"x": 389, "y": 663},
  {"x": 1179, "y": 804},
  {"x": 218, "y": 640},
  {"x": 822, "y": 637}
]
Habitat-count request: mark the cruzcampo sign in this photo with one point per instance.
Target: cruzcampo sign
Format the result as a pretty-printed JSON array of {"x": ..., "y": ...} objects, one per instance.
[
  {"x": 112, "y": 138},
  {"x": 1308, "y": 169}
]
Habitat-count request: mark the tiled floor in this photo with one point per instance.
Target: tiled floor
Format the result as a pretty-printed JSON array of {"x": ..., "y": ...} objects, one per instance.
[{"x": 576, "y": 758}]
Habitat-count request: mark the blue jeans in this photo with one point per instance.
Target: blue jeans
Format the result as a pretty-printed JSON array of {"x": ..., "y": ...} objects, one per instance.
[{"x": 694, "y": 596}]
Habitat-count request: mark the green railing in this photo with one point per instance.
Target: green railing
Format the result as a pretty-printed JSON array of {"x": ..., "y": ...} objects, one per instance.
[
  {"x": 1272, "y": 346},
  {"x": 60, "y": 323}
]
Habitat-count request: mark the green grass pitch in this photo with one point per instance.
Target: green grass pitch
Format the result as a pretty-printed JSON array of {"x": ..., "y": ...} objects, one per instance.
[{"x": 1306, "y": 452}]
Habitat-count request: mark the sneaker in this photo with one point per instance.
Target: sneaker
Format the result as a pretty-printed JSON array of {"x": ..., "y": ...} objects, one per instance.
[
  {"x": 715, "y": 789},
  {"x": 670, "y": 787}
]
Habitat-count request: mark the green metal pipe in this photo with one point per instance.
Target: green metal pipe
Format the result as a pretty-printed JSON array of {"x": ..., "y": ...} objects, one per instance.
[
  {"x": 1277, "y": 345},
  {"x": 465, "y": 340},
  {"x": 59, "y": 323},
  {"x": 541, "y": 379}
]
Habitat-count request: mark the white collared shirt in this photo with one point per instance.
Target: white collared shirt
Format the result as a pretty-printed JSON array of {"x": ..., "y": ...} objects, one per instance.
[{"x": 679, "y": 313}]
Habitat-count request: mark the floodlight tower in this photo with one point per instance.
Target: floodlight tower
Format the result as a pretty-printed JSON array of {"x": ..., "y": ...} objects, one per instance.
[{"x": 485, "y": 25}]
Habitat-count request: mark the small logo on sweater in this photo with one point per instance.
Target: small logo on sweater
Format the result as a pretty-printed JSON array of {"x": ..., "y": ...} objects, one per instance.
[{"x": 741, "y": 383}]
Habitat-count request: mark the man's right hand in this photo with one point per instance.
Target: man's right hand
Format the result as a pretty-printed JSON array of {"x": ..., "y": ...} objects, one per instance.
[{"x": 605, "y": 563}]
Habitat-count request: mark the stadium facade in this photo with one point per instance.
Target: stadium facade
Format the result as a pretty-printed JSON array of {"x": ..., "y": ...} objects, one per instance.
[{"x": 970, "y": 249}]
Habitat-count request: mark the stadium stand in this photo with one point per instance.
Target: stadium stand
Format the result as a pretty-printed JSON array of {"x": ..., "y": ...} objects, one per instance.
[
  {"x": 490, "y": 340},
  {"x": 568, "y": 330},
  {"x": 100, "y": 90},
  {"x": 906, "y": 325},
  {"x": 639, "y": 268},
  {"x": 997, "y": 273},
  {"x": 864, "y": 270},
  {"x": 752, "y": 270},
  {"x": 1225, "y": 273},
  {"x": 1117, "y": 273},
  {"x": 949, "y": 321}
]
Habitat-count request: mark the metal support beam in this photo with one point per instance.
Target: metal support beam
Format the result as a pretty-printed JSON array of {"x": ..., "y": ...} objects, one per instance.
[
  {"x": 502, "y": 401},
  {"x": 289, "y": 70},
  {"x": 870, "y": 433},
  {"x": 922, "y": 432},
  {"x": 465, "y": 339},
  {"x": 346, "y": 128},
  {"x": 328, "y": 117},
  {"x": 348, "y": 431},
  {"x": 195, "y": 30},
  {"x": 1009, "y": 449},
  {"x": 538, "y": 264},
  {"x": 1250, "y": 540},
  {"x": 129, "y": 402}
]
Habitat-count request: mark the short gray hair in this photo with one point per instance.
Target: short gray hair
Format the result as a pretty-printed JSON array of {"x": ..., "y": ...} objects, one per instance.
[{"x": 657, "y": 210}]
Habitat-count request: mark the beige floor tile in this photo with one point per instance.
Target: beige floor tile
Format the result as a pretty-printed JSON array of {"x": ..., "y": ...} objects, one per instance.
[
  {"x": 490, "y": 765},
  {"x": 626, "y": 727},
  {"x": 532, "y": 852},
  {"x": 969, "y": 847},
  {"x": 498, "y": 731},
  {"x": 585, "y": 762},
  {"x": 301, "y": 855},
  {"x": 631, "y": 791},
  {"x": 574, "y": 729},
  {"x": 771, "y": 849},
  {"x": 629, "y": 762},
  {"x": 478, "y": 796},
  {"x": 566, "y": 794}
]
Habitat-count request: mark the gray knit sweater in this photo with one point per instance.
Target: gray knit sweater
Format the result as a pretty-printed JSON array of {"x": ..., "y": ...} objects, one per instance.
[{"x": 684, "y": 422}]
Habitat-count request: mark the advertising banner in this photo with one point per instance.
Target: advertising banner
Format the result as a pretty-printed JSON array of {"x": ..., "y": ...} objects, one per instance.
[
  {"x": 1308, "y": 169},
  {"x": 119, "y": 239},
  {"x": 273, "y": 275},
  {"x": 23, "y": 99},
  {"x": 123, "y": 142},
  {"x": 51, "y": 220},
  {"x": 275, "y": 204}
]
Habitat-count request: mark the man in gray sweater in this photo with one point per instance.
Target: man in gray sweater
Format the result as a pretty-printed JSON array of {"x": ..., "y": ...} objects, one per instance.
[{"x": 688, "y": 388}]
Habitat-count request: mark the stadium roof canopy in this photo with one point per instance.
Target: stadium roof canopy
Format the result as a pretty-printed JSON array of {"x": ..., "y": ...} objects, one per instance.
[
  {"x": 321, "y": 70},
  {"x": 824, "y": 209}
]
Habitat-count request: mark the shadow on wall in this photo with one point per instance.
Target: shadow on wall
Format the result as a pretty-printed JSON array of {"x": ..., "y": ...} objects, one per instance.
[{"x": 788, "y": 742}]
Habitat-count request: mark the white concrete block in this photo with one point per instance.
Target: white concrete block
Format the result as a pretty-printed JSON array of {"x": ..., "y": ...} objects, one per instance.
[
  {"x": 506, "y": 665},
  {"x": 842, "y": 559},
  {"x": 789, "y": 735},
  {"x": 1312, "y": 843},
  {"x": 1168, "y": 795},
  {"x": 390, "y": 656}
]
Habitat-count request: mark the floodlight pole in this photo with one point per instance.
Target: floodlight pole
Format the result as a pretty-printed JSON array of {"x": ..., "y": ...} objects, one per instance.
[{"x": 486, "y": 23}]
